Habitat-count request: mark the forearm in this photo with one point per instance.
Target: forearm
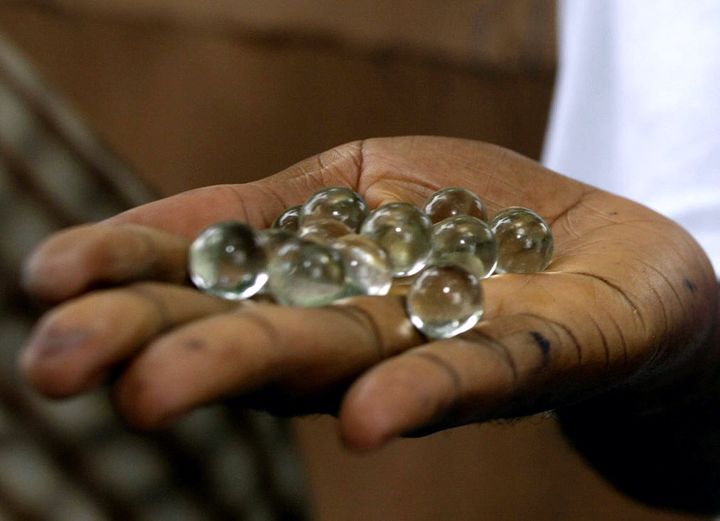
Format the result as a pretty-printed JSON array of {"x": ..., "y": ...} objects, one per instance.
[{"x": 667, "y": 454}]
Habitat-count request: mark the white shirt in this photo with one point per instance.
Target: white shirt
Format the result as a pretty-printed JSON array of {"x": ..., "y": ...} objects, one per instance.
[{"x": 637, "y": 106}]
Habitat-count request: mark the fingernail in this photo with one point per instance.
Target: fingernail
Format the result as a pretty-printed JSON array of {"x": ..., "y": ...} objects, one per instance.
[{"x": 49, "y": 343}]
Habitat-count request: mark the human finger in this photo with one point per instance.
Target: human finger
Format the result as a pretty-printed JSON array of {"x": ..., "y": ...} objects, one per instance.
[
  {"x": 301, "y": 352},
  {"x": 74, "y": 346},
  {"x": 76, "y": 259}
]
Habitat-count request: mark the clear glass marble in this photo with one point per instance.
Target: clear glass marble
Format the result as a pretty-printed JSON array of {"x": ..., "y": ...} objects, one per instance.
[
  {"x": 367, "y": 271},
  {"x": 403, "y": 232},
  {"x": 289, "y": 220},
  {"x": 466, "y": 241},
  {"x": 324, "y": 231},
  {"x": 226, "y": 260},
  {"x": 525, "y": 242},
  {"x": 444, "y": 300},
  {"x": 452, "y": 201},
  {"x": 271, "y": 239},
  {"x": 305, "y": 273},
  {"x": 339, "y": 203}
]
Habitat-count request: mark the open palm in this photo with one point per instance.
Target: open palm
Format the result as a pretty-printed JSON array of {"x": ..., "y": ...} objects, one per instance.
[{"x": 628, "y": 299}]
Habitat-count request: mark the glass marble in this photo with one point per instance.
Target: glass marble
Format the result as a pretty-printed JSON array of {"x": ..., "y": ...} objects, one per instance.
[
  {"x": 453, "y": 201},
  {"x": 367, "y": 271},
  {"x": 271, "y": 239},
  {"x": 466, "y": 241},
  {"x": 404, "y": 233},
  {"x": 289, "y": 220},
  {"x": 324, "y": 231},
  {"x": 305, "y": 273},
  {"x": 444, "y": 300},
  {"x": 226, "y": 260},
  {"x": 339, "y": 203},
  {"x": 525, "y": 242}
]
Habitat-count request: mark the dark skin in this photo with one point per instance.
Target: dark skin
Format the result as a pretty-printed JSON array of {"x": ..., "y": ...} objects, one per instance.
[{"x": 625, "y": 314}]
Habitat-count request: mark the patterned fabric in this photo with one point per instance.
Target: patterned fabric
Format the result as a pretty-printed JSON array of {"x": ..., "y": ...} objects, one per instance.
[{"x": 75, "y": 460}]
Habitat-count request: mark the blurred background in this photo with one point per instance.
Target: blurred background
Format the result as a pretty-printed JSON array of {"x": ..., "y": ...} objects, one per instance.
[{"x": 105, "y": 105}]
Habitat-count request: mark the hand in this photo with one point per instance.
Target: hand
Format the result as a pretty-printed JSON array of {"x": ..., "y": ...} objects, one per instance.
[{"x": 628, "y": 298}]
